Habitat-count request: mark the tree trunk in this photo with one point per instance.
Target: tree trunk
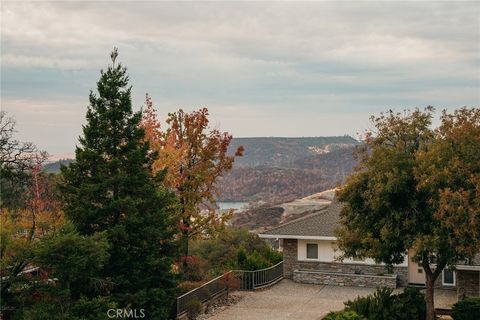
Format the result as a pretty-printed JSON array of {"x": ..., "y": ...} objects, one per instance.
[
  {"x": 185, "y": 243},
  {"x": 185, "y": 249},
  {"x": 430, "y": 281},
  {"x": 430, "y": 277}
]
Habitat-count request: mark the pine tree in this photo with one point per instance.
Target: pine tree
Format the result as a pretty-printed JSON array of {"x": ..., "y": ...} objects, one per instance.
[{"x": 110, "y": 188}]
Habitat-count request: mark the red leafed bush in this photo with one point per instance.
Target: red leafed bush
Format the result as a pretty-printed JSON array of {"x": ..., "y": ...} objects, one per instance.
[{"x": 192, "y": 268}]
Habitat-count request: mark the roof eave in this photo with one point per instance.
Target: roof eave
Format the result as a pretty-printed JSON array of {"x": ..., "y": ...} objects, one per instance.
[
  {"x": 289, "y": 236},
  {"x": 467, "y": 267}
]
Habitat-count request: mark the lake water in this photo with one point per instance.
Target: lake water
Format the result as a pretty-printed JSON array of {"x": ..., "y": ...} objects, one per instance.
[{"x": 237, "y": 206}]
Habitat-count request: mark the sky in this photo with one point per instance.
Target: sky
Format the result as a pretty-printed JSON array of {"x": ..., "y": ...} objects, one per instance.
[{"x": 262, "y": 69}]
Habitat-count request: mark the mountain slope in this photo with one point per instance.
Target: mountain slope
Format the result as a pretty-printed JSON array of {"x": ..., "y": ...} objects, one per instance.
[
  {"x": 276, "y": 170},
  {"x": 283, "y": 152},
  {"x": 305, "y": 176}
]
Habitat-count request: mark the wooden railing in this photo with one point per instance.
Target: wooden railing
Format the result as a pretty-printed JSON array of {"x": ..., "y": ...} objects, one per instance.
[{"x": 249, "y": 280}]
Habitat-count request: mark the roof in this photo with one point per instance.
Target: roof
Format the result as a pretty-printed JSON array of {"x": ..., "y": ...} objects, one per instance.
[
  {"x": 321, "y": 225},
  {"x": 318, "y": 225},
  {"x": 471, "y": 264}
]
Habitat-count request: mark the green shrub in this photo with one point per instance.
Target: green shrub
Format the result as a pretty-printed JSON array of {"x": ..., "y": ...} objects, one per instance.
[
  {"x": 82, "y": 309},
  {"x": 92, "y": 309},
  {"x": 467, "y": 309},
  {"x": 343, "y": 315},
  {"x": 253, "y": 261},
  {"x": 234, "y": 249},
  {"x": 408, "y": 305},
  {"x": 373, "y": 307},
  {"x": 194, "y": 307}
]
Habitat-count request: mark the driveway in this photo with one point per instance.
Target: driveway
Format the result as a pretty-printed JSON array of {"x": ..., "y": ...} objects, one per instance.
[{"x": 295, "y": 301}]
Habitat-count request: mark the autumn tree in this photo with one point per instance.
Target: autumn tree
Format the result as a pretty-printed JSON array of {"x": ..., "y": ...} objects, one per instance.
[
  {"x": 192, "y": 156},
  {"x": 415, "y": 188},
  {"x": 17, "y": 159},
  {"x": 230, "y": 282},
  {"x": 39, "y": 216},
  {"x": 29, "y": 208},
  {"x": 110, "y": 187}
]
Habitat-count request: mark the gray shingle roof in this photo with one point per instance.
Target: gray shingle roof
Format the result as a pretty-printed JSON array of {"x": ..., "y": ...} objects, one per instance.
[
  {"x": 322, "y": 224},
  {"x": 475, "y": 261},
  {"x": 318, "y": 224}
]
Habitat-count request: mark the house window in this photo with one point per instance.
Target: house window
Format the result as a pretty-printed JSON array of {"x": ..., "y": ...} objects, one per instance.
[
  {"x": 448, "y": 277},
  {"x": 312, "y": 251}
]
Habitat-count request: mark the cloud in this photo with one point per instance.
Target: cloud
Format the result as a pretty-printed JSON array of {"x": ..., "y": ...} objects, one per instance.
[
  {"x": 246, "y": 61},
  {"x": 52, "y": 125}
]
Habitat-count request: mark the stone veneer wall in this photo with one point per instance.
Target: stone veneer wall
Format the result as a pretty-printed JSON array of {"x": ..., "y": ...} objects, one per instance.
[
  {"x": 344, "y": 279},
  {"x": 468, "y": 283},
  {"x": 290, "y": 255},
  {"x": 290, "y": 263}
]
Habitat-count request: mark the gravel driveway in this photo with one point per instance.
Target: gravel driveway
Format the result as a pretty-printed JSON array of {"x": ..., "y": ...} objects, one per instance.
[{"x": 295, "y": 301}]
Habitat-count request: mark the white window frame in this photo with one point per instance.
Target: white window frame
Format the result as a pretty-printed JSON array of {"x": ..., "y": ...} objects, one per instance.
[
  {"x": 306, "y": 251},
  {"x": 454, "y": 279}
]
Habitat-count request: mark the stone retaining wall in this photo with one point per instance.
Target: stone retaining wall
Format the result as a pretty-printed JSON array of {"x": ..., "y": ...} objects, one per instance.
[
  {"x": 290, "y": 263},
  {"x": 344, "y": 279}
]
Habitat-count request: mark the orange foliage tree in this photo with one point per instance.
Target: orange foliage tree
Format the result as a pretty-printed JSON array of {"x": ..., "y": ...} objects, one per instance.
[
  {"x": 231, "y": 283},
  {"x": 192, "y": 156},
  {"x": 41, "y": 215}
]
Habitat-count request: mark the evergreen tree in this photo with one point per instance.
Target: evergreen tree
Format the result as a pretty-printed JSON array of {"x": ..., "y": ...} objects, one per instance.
[{"x": 110, "y": 188}]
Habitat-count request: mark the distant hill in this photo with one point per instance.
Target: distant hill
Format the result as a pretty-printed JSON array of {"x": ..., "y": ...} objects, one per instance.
[
  {"x": 54, "y": 167},
  {"x": 276, "y": 170},
  {"x": 304, "y": 176},
  {"x": 283, "y": 152}
]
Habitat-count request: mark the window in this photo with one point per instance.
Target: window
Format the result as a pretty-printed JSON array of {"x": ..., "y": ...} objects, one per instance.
[
  {"x": 312, "y": 251},
  {"x": 448, "y": 277}
]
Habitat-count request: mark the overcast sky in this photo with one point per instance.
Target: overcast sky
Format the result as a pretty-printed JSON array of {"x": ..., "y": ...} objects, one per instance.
[{"x": 262, "y": 69}]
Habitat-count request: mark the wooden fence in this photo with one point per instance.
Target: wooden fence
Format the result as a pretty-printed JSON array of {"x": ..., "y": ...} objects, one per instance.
[{"x": 249, "y": 280}]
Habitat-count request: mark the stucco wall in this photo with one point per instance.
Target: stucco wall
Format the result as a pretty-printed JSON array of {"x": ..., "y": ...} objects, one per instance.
[{"x": 328, "y": 252}]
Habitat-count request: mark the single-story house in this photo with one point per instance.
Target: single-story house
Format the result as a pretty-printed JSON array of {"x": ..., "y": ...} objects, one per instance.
[{"x": 310, "y": 255}]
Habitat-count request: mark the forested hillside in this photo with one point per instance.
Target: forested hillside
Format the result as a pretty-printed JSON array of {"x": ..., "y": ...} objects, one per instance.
[
  {"x": 283, "y": 152},
  {"x": 304, "y": 176},
  {"x": 54, "y": 167},
  {"x": 275, "y": 170}
]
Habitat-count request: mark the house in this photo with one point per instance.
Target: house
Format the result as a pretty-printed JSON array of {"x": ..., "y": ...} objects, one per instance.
[{"x": 311, "y": 255}]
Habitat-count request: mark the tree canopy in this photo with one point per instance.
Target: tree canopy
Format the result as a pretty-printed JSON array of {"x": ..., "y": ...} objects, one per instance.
[
  {"x": 416, "y": 188},
  {"x": 192, "y": 156}
]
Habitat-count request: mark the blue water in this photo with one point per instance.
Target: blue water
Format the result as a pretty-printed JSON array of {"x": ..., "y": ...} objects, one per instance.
[{"x": 237, "y": 206}]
